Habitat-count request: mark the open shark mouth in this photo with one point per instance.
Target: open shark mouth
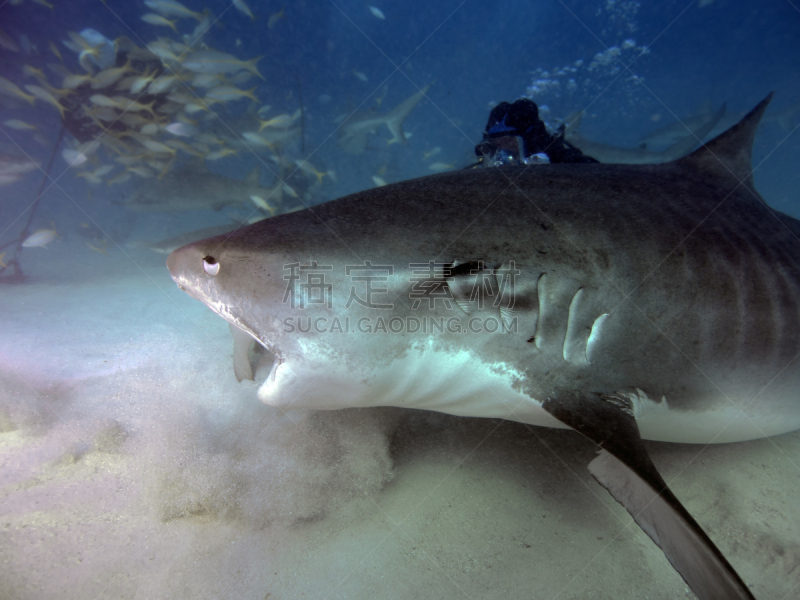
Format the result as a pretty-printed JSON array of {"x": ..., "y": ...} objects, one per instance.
[{"x": 243, "y": 336}]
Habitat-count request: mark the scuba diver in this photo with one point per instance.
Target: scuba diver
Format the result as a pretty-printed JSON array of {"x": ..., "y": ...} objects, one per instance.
[{"x": 515, "y": 135}]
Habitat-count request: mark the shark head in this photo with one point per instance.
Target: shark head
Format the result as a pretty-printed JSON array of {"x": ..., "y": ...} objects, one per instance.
[{"x": 363, "y": 306}]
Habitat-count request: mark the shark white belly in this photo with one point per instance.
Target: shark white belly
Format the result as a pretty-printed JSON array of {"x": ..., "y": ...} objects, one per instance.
[
  {"x": 426, "y": 377},
  {"x": 458, "y": 382}
]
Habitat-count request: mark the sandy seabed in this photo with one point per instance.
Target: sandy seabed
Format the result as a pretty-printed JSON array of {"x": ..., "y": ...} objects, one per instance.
[{"x": 133, "y": 465}]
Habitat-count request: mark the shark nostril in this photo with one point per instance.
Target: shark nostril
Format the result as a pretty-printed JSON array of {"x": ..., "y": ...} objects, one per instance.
[{"x": 210, "y": 265}]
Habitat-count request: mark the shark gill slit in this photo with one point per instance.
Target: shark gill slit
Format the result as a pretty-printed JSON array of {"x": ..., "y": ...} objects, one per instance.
[
  {"x": 521, "y": 301},
  {"x": 594, "y": 336},
  {"x": 541, "y": 293},
  {"x": 557, "y": 296},
  {"x": 574, "y": 348}
]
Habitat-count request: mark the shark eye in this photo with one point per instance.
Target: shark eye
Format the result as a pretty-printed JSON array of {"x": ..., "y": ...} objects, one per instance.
[{"x": 210, "y": 265}]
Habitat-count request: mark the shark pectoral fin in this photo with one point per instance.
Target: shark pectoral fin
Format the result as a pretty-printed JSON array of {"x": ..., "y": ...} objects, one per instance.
[
  {"x": 241, "y": 353},
  {"x": 666, "y": 521},
  {"x": 624, "y": 468}
]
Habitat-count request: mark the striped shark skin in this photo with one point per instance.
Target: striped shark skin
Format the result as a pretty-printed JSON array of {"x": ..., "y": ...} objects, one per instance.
[{"x": 626, "y": 302}]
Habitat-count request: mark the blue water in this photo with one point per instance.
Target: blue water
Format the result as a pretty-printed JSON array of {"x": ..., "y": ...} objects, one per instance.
[{"x": 98, "y": 333}]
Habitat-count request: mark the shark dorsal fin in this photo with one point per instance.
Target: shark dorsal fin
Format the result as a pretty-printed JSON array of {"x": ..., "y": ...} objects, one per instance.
[{"x": 730, "y": 153}]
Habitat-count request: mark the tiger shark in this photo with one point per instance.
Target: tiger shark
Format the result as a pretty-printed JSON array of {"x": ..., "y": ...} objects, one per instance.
[{"x": 626, "y": 302}]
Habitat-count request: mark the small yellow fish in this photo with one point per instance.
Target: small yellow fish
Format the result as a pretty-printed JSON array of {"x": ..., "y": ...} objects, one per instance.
[
  {"x": 43, "y": 94},
  {"x": 212, "y": 61},
  {"x": 127, "y": 104},
  {"x": 3, "y": 265},
  {"x": 99, "y": 248},
  {"x": 155, "y": 19},
  {"x": 121, "y": 178},
  {"x": 163, "y": 84},
  {"x": 141, "y": 82},
  {"x": 307, "y": 168},
  {"x": 360, "y": 75},
  {"x": 74, "y": 157},
  {"x": 283, "y": 120},
  {"x": 431, "y": 153},
  {"x": 379, "y": 181},
  {"x": 55, "y": 51},
  {"x": 109, "y": 77},
  {"x": 195, "y": 107},
  {"x": 19, "y": 125},
  {"x": 40, "y": 238},
  {"x": 243, "y": 8},
  {"x": 9, "y": 88},
  {"x": 90, "y": 178},
  {"x": 33, "y": 72},
  {"x": 72, "y": 81},
  {"x": 157, "y": 147},
  {"x": 101, "y": 100},
  {"x": 220, "y": 154},
  {"x": 143, "y": 172},
  {"x": 224, "y": 93},
  {"x": 173, "y": 8},
  {"x": 254, "y": 138},
  {"x": 275, "y": 17},
  {"x": 262, "y": 204},
  {"x": 289, "y": 190}
]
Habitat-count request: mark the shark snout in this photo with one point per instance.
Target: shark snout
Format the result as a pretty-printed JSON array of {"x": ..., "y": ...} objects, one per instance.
[
  {"x": 172, "y": 263},
  {"x": 179, "y": 263}
]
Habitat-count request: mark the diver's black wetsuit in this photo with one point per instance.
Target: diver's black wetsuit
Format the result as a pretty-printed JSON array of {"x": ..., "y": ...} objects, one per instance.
[{"x": 511, "y": 123}]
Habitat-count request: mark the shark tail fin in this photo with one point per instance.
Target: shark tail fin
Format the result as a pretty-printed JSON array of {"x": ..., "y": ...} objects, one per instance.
[
  {"x": 624, "y": 468},
  {"x": 730, "y": 153},
  {"x": 395, "y": 119}
]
